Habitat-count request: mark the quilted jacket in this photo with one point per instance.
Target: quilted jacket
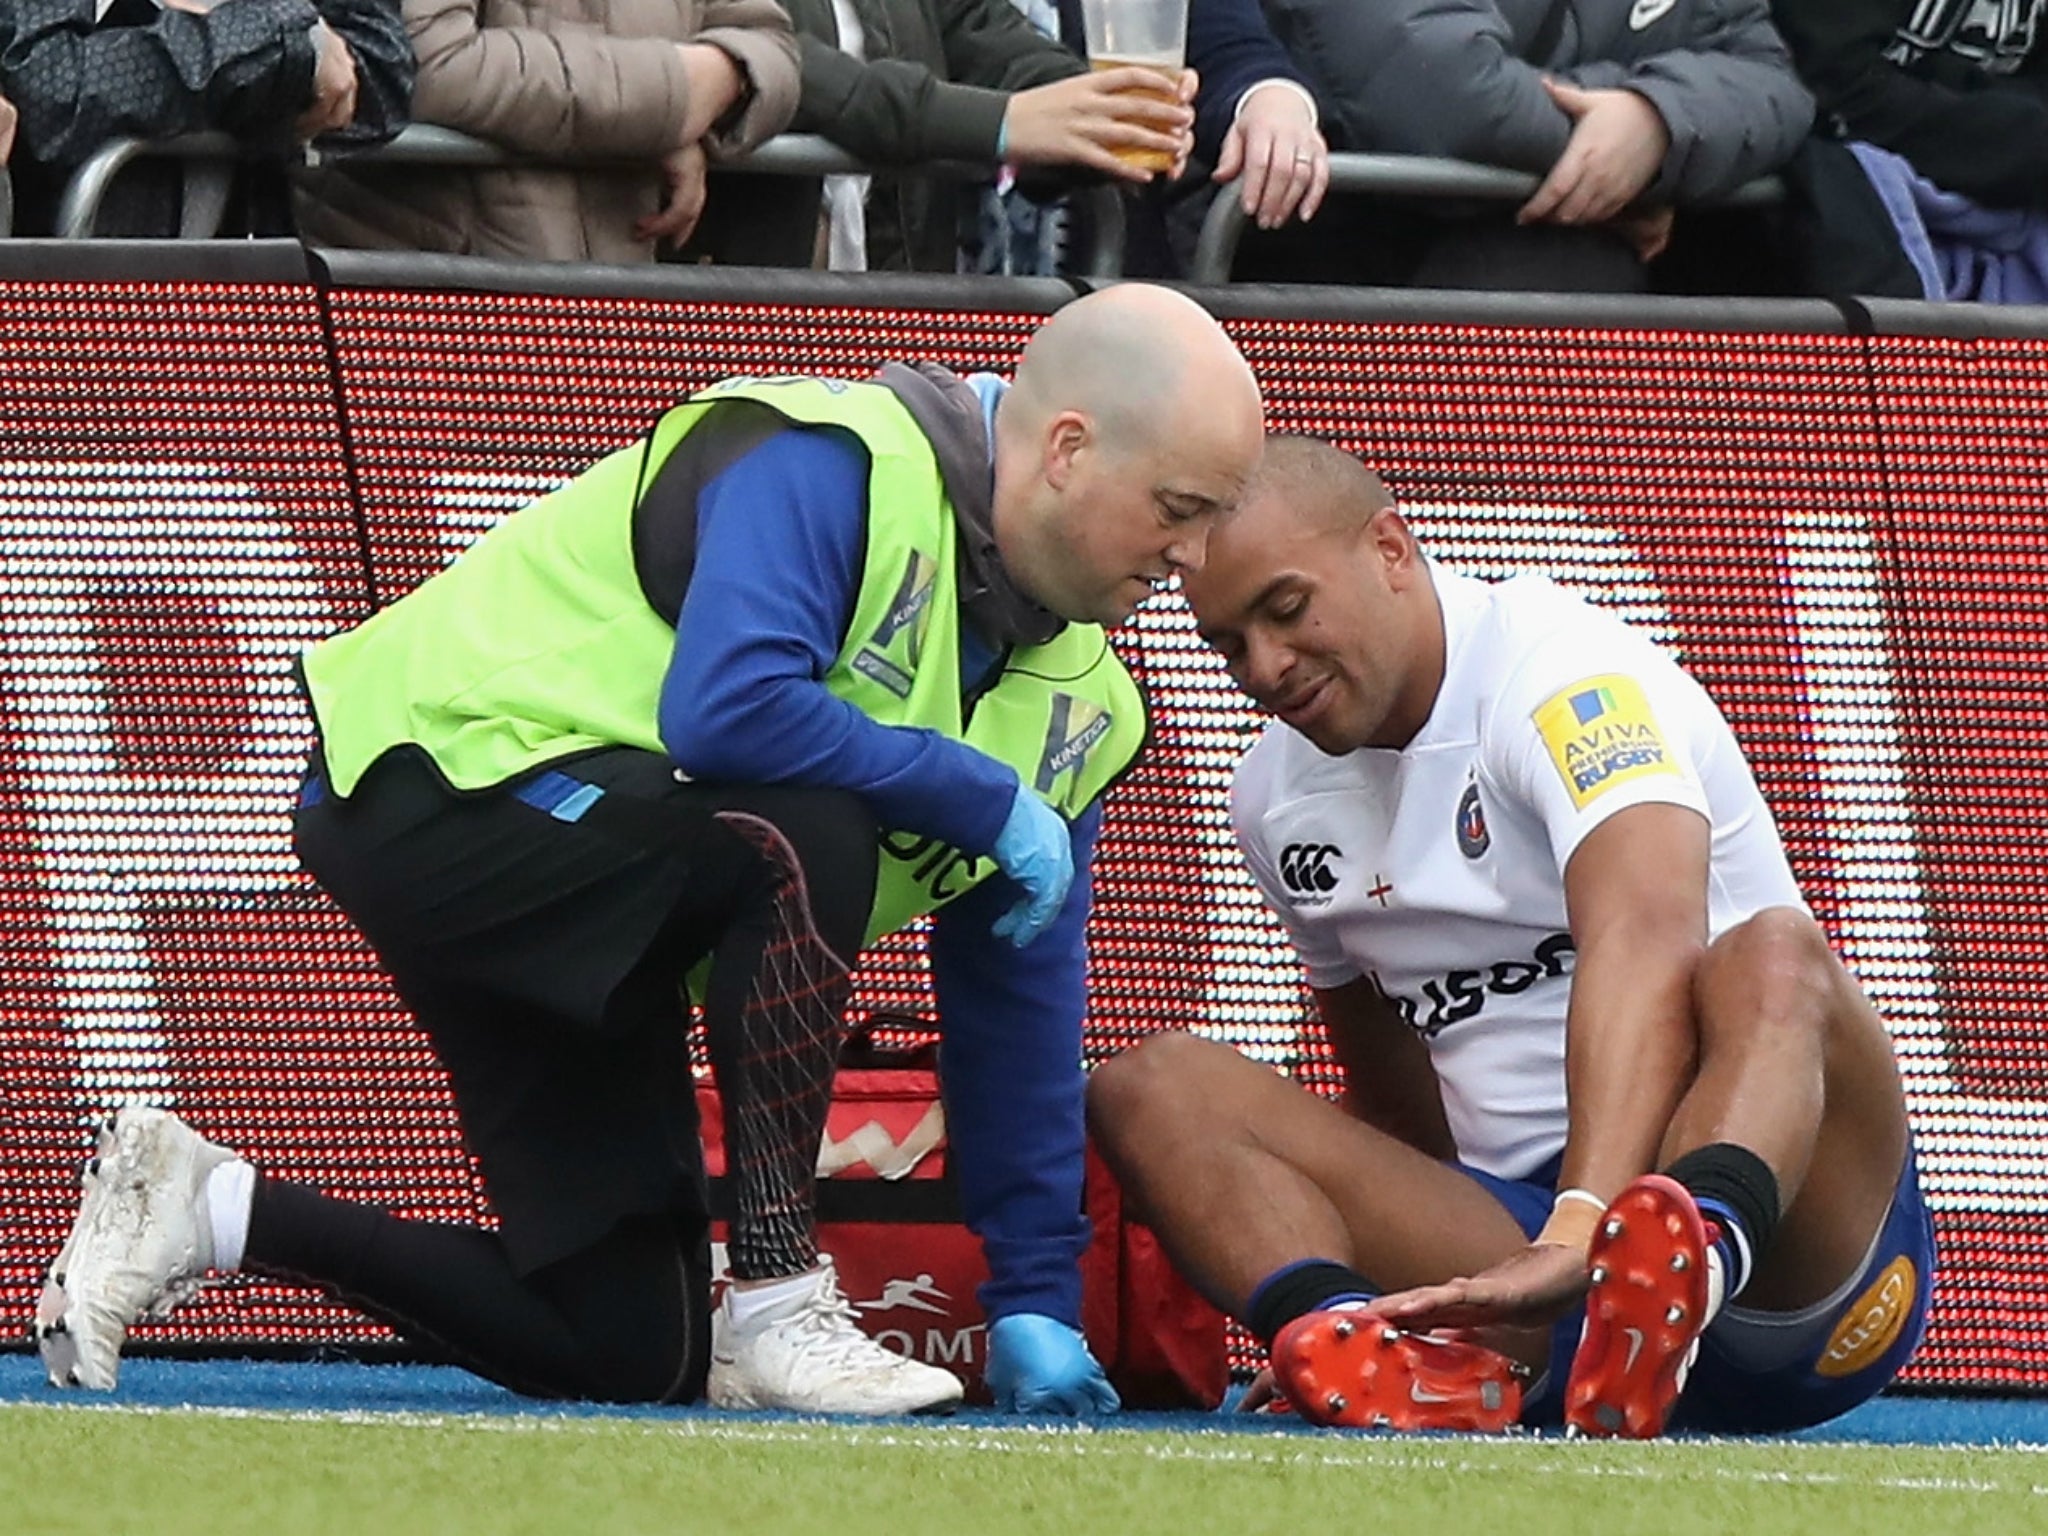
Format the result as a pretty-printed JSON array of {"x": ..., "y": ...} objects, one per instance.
[{"x": 593, "y": 81}]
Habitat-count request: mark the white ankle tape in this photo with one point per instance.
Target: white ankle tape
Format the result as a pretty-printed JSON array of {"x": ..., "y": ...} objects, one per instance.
[
  {"x": 753, "y": 1302},
  {"x": 230, "y": 1189},
  {"x": 1745, "y": 1261}
]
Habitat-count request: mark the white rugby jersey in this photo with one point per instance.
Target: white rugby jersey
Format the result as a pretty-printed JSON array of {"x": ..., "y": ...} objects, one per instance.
[{"x": 1438, "y": 870}]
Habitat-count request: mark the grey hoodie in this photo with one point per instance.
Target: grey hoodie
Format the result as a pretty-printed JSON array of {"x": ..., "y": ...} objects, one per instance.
[{"x": 948, "y": 411}]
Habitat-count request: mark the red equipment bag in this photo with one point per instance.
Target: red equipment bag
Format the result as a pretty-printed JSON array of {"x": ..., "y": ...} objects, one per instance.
[{"x": 889, "y": 1215}]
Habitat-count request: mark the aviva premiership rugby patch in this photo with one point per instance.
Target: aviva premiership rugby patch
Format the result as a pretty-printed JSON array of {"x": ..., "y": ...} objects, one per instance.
[{"x": 1601, "y": 733}]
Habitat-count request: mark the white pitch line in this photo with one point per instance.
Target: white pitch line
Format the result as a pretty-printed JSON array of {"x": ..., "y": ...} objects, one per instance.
[{"x": 1086, "y": 1440}]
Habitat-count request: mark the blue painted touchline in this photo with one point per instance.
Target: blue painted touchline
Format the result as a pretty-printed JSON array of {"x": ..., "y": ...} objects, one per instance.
[{"x": 344, "y": 1387}]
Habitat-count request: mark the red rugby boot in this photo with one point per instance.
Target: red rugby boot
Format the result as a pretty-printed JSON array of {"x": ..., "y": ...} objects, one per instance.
[
  {"x": 1356, "y": 1370},
  {"x": 1646, "y": 1305}
]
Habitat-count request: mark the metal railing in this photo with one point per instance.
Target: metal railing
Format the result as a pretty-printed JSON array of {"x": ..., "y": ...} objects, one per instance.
[
  {"x": 1408, "y": 176},
  {"x": 209, "y": 158}
]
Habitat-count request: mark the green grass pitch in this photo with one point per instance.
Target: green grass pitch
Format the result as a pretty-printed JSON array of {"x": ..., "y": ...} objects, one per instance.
[{"x": 108, "y": 1471}]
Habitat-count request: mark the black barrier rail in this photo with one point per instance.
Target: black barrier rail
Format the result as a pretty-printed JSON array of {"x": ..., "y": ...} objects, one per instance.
[
  {"x": 1409, "y": 176},
  {"x": 208, "y": 160}
]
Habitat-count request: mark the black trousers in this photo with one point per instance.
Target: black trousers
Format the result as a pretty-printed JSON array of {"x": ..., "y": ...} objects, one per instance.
[{"x": 540, "y": 932}]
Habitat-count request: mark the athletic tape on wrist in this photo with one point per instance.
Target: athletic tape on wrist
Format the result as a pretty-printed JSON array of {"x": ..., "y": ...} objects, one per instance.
[{"x": 1573, "y": 1216}]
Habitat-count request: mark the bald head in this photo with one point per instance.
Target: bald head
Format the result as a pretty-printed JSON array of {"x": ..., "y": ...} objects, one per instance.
[
  {"x": 1133, "y": 423},
  {"x": 1128, "y": 356}
]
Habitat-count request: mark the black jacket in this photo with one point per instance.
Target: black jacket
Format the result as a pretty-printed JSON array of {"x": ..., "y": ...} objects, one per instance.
[
  {"x": 936, "y": 80},
  {"x": 139, "y": 72},
  {"x": 1958, "y": 87}
]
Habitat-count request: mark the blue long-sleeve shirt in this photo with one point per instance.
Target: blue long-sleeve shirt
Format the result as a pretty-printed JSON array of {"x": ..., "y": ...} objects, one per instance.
[
  {"x": 780, "y": 537},
  {"x": 1011, "y": 1061},
  {"x": 779, "y": 546}
]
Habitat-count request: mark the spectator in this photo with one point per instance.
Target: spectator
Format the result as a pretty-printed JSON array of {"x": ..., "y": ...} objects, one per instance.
[
  {"x": 1959, "y": 89},
  {"x": 1627, "y": 110},
  {"x": 901, "y": 81},
  {"x": 7, "y": 118},
  {"x": 1257, "y": 130},
  {"x": 1947, "y": 197},
  {"x": 645, "y": 91},
  {"x": 1256, "y": 118},
  {"x": 897, "y": 82},
  {"x": 271, "y": 72},
  {"x": 1240, "y": 127},
  {"x": 1256, "y": 126},
  {"x": 1027, "y": 231}
]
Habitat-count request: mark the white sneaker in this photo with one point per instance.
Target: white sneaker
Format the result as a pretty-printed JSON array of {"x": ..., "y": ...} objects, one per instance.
[
  {"x": 811, "y": 1357},
  {"x": 141, "y": 1245}
]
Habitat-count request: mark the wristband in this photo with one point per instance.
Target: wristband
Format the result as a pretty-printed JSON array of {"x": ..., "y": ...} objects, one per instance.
[
  {"x": 1573, "y": 1216},
  {"x": 1003, "y": 138}
]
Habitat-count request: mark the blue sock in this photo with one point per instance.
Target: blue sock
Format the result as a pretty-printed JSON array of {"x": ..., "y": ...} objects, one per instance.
[
  {"x": 1306, "y": 1285},
  {"x": 1737, "y": 1259},
  {"x": 1736, "y": 1190}
]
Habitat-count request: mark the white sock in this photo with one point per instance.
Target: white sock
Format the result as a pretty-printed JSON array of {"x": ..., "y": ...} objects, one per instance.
[
  {"x": 1717, "y": 1283},
  {"x": 755, "y": 1304},
  {"x": 230, "y": 1191}
]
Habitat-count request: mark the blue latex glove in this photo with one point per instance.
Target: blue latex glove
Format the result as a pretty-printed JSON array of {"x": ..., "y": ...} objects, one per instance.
[
  {"x": 1035, "y": 849},
  {"x": 1037, "y": 1364}
]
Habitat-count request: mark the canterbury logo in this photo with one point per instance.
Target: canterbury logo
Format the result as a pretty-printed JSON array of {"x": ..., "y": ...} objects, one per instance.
[{"x": 1305, "y": 867}]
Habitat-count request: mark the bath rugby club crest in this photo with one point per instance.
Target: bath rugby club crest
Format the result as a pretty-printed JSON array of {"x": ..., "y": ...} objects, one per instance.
[{"x": 1473, "y": 838}]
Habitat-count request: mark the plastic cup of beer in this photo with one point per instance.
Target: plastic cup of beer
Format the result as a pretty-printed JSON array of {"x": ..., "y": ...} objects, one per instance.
[{"x": 1152, "y": 34}]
